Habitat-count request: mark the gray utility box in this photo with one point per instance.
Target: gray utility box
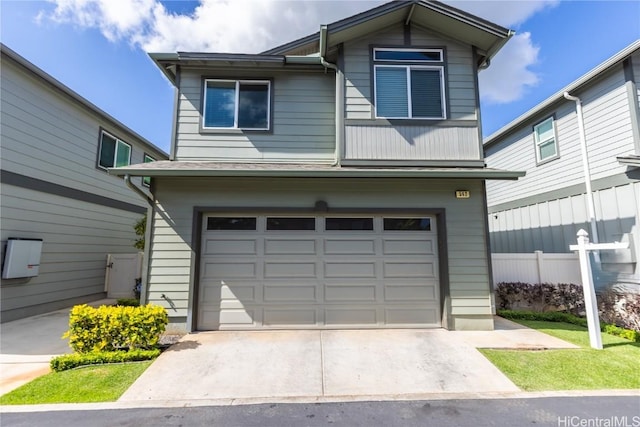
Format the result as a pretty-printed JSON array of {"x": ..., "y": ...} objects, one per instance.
[{"x": 22, "y": 258}]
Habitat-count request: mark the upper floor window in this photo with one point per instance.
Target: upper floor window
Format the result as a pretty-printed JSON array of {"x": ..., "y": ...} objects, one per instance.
[
  {"x": 545, "y": 138},
  {"x": 409, "y": 83},
  {"x": 236, "y": 104},
  {"x": 113, "y": 152},
  {"x": 146, "y": 180}
]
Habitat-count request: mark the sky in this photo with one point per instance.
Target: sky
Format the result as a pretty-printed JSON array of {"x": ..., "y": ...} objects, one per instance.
[{"x": 99, "y": 48}]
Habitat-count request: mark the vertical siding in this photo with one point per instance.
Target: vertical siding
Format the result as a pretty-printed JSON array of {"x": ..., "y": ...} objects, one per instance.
[
  {"x": 411, "y": 143},
  {"x": 46, "y": 136},
  {"x": 551, "y": 226},
  {"x": 172, "y": 253},
  {"x": 303, "y": 121},
  {"x": 77, "y": 236},
  {"x": 608, "y": 132}
]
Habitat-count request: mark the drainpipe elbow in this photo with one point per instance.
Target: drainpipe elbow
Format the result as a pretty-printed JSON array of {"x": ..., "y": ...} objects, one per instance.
[{"x": 139, "y": 192}]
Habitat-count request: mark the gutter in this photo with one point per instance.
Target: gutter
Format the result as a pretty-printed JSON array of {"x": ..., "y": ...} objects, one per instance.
[{"x": 139, "y": 192}]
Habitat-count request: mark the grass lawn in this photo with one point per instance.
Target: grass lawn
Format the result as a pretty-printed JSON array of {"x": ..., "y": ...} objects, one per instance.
[
  {"x": 614, "y": 367},
  {"x": 103, "y": 383}
]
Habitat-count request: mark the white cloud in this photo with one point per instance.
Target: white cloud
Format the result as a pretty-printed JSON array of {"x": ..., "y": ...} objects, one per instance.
[
  {"x": 510, "y": 75},
  {"x": 251, "y": 26}
]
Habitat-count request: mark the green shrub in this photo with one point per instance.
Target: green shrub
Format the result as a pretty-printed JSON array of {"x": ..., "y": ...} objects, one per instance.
[
  {"x": 70, "y": 361},
  {"x": 109, "y": 328},
  {"x": 556, "y": 316},
  {"x": 128, "y": 302}
]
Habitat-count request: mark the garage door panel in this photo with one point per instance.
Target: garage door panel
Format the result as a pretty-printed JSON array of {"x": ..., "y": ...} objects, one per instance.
[
  {"x": 275, "y": 294},
  {"x": 289, "y": 269},
  {"x": 349, "y": 292},
  {"x": 289, "y": 317},
  {"x": 407, "y": 247},
  {"x": 400, "y": 269},
  {"x": 349, "y": 247},
  {"x": 350, "y": 316},
  {"x": 290, "y": 247},
  {"x": 411, "y": 316},
  {"x": 229, "y": 269},
  {"x": 309, "y": 278},
  {"x": 410, "y": 292},
  {"x": 334, "y": 269},
  {"x": 230, "y": 247}
]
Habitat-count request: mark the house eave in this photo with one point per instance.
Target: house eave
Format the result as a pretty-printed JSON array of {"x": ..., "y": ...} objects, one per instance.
[
  {"x": 559, "y": 96},
  {"x": 204, "y": 169}
]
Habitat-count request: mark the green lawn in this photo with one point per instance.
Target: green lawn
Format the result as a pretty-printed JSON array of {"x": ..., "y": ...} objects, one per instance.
[
  {"x": 103, "y": 383},
  {"x": 614, "y": 367}
]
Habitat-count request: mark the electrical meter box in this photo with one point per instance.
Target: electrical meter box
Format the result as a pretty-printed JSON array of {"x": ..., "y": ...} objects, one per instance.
[{"x": 22, "y": 258}]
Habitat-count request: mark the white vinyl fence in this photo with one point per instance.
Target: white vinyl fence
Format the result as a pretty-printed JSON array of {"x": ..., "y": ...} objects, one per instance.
[{"x": 536, "y": 267}]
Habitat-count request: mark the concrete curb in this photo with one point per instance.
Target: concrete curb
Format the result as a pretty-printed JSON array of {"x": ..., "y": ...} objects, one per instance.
[{"x": 309, "y": 399}]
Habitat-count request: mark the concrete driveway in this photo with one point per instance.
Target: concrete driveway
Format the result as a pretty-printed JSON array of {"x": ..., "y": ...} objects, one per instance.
[{"x": 298, "y": 364}]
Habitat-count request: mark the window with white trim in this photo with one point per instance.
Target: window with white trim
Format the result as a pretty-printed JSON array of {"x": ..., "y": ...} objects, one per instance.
[
  {"x": 409, "y": 83},
  {"x": 146, "y": 180},
  {"x": 544, "y": 135},
  {"x": 113, "y": 152},
  {"x": 236, "y": 104}
]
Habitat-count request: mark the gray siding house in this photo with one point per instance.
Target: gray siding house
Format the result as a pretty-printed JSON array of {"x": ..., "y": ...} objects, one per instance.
[
  {"x": 56, "y": 148},
  {"x": 336, "y": 181},
  {"x": 545, "y": 209}
]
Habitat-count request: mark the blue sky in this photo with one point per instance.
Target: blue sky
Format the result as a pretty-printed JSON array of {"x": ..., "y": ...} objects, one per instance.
[{"x": 98, "y": 47}]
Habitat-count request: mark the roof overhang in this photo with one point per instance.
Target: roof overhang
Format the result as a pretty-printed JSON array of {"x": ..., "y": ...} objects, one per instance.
[
  {"x": 454, "y": 23},
  {"x": 632, "y": 161},
  {"x": 285, "y": 170},
  {"x": 559, "y": 96}
]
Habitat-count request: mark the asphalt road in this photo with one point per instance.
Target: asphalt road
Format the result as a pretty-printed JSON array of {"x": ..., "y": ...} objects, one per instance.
[{"x": 548, "y": 411}]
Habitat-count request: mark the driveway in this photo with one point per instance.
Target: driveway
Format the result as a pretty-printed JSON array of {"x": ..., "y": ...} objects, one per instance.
[{"x": 339, "y": 364}]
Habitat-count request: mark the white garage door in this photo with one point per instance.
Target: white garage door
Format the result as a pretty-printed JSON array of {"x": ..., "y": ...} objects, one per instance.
[{"x": 318, "y": 272}]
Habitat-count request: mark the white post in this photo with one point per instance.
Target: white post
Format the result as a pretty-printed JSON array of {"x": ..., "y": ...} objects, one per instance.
[
  {"x": 540, "y": 265},
  {"x": 590, "y": 302}
]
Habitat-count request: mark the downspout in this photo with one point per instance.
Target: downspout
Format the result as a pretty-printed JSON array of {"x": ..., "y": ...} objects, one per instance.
[
  {"x": 147, "y": 238},
  {"x": 139, "y": 192},
  {"x": 339, "y": 94},
  {"x": 587, "y": 173}
]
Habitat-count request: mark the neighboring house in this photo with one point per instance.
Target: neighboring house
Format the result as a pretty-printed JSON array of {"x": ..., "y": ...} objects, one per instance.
[
  {"x": 336, "y": 181},
  {"x": 545, "y": 209},
  {"x": 56, "y": 148}
]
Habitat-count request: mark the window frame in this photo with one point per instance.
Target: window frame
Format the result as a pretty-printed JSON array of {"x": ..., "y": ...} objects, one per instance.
[
  {"x": 409, "y": 65},
  {"x": 146, "y": 180},
  {"x": 238, "y": 82},
  {"x": 537, "y": 143},
  {"x": 115, "y": 153}
]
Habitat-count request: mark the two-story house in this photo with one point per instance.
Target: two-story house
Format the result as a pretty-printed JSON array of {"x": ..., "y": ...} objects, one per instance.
[
  {"x": 57, "y": 194},
  {"x": 336, "y": 181},
  {"x": 576, "y": 178}
]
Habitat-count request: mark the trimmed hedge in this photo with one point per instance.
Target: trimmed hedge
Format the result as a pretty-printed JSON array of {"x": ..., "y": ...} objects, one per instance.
[
  {"x": 110, "y": 328},
  {"x": 128, "y": 302},
  {"x": 70, "y": 361},
  {"x": 557, "y": 316}
]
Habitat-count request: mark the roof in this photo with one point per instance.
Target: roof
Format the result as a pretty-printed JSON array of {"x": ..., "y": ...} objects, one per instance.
[
  {"x": 486, "y": 36},
  {"x": 74, "y": 96},
  {"x": 447, "y": 20},
  {"x": 169, "y": 168},
  {"x": 631, "y": 160},
  {"x": 559, "y": 96}
]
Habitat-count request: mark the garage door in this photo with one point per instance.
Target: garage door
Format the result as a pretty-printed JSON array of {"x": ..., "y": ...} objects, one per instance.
[{"x": 318, "y": 272}]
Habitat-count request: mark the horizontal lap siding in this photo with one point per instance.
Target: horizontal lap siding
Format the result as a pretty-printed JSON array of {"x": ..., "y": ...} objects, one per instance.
[
  {"x": 303, "y": 121},
  {"x": 608, "y": 132},
  {"x": 409, "y": 142},
  {"x": 172, "y": 253},
  {"x": 77, "y": 236},
  {"x": 48, "y": 137}
]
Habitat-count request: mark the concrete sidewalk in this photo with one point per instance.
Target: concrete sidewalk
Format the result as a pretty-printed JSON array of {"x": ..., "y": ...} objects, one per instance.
[{"x": 28, "y": 345}]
